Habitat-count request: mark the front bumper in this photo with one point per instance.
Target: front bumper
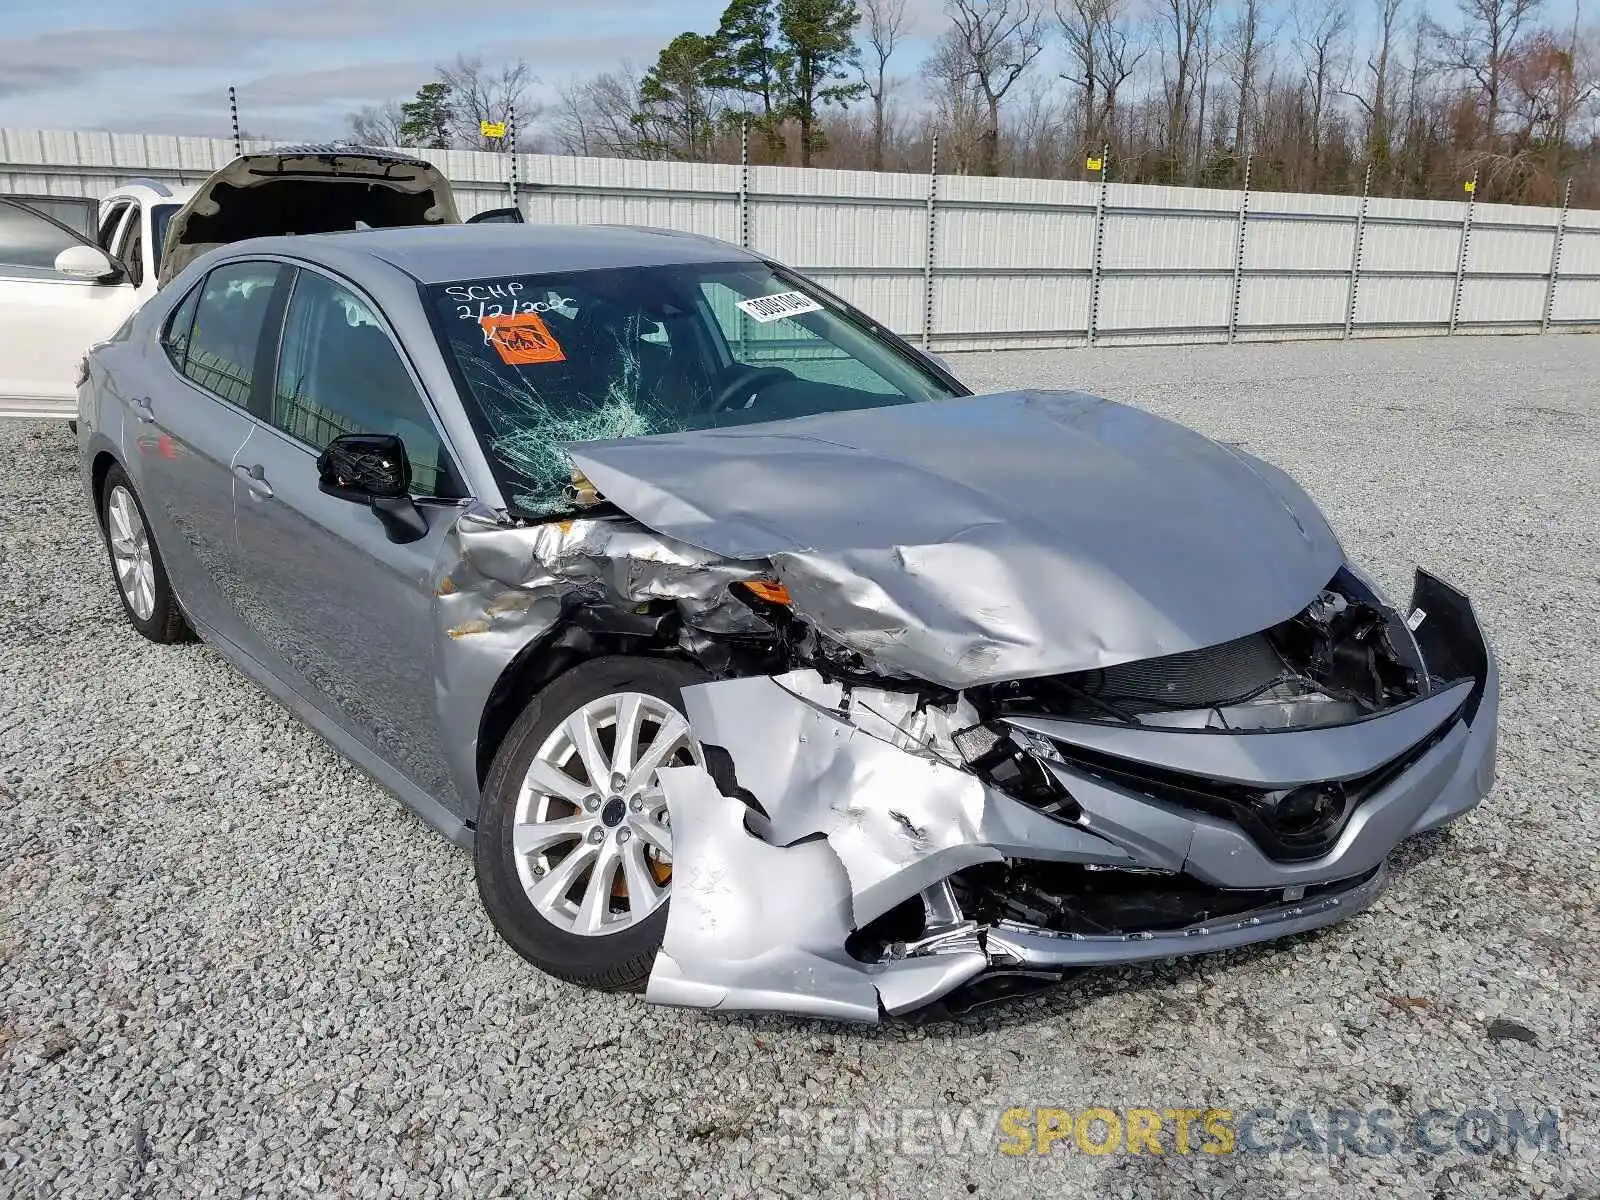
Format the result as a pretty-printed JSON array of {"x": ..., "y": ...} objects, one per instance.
[{"x": 813, "y": 828}]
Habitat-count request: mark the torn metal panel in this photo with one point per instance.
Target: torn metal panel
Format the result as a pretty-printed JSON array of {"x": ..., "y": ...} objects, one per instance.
[
  {"x": 987, "y": 538},
  {"x": 907, "y": 984},
  {"x": 762, "y": 927},
  {"x": 500, "y": 588},
  {"x": 1280, "y": 758},
  {"x": 899, "y": 821},
  {"x": 752, "y": 926},
  {"x": 1036, "y": 949}
]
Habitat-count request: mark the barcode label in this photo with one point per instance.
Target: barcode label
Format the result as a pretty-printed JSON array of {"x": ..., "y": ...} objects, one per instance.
[
  {"x": 1416, "y": 618},
  {"x": 775, "y": 308}
]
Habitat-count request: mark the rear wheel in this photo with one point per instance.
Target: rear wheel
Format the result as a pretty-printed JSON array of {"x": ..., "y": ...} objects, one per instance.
[
  {"x": 574, "y": 845},
  {"x": 141, "y": 579}
]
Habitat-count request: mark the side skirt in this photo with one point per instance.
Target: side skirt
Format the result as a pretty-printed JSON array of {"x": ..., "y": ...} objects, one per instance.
[{"x": 409, "y": 794}]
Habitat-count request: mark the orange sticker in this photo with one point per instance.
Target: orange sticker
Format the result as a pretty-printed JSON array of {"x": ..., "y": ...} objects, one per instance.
[{"x": 521, "y": 339}]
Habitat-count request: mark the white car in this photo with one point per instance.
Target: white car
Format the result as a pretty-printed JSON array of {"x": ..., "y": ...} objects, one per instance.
[{"x": 67, "y": 283}]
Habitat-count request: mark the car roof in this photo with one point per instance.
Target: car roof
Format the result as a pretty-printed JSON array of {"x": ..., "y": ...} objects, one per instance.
[
  {"x": 152, "y": 190},
  {"x": 443, "y": 253}
]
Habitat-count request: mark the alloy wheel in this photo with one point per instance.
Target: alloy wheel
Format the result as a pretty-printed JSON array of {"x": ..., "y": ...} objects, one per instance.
[
  {"x": 591, "y": 835},
  {"x": 130, "y": 552}
]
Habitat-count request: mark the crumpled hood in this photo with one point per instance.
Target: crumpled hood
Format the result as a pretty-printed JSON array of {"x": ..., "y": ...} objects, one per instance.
[{"x": 985, "y": 538}]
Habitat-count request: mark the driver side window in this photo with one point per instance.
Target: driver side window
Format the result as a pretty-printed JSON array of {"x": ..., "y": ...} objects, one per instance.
[
  {"x": 339, "y": 372},
  {"x": 29, "y": 243}
]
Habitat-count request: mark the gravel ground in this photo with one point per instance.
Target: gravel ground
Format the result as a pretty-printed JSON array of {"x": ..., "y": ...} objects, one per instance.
[{"x": 230, "y": 964}]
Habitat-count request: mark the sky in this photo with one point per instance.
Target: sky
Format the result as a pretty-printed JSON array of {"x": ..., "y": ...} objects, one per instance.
[{"x": 301, "y": 66}]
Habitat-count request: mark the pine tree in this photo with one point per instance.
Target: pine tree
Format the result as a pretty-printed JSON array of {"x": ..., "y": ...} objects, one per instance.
[
  {"x": 425, "y": 120},
  {"x": 816, "y": 44}
]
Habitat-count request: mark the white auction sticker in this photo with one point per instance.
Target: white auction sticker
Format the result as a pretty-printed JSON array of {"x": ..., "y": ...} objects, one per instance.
[
  {"x": 1416, "y": 618},
  {"x": 775, "y": 308}
]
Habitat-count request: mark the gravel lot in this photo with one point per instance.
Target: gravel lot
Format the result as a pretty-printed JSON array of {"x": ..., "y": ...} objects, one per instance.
[{"x": 230, "y": 964}]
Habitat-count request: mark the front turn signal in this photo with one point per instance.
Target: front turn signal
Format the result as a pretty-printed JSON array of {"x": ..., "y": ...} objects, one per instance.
[{"x": 767, "y": 589}]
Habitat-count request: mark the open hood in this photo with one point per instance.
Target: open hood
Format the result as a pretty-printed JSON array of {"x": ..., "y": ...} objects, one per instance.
[
  {"x": 306, "y": 189},
  {"x": 986, "y": 538}
]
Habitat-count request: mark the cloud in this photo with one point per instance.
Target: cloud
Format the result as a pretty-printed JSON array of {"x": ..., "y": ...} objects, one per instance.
[
  {"x": 20, "y": 78},
  {"x": 363, "y": 83},
  {"x": 560, "y": 57},
  {"x": 215, "y": 123},
  {"x": 217, "y": 35},
  {"x": 170, "y": 67}
]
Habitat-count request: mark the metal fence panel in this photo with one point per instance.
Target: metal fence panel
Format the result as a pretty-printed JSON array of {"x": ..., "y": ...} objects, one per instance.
[
  {"x": 1576, "y": 302},
  {"x": 1000, "y": 237},
  {"x": 1139, "y": 304},
  {"x": 1502, "y": 301},
  {"x": 1580, "y": 253},
  {"x": 1276, "y": 244},
  {"x": 966, "y": 262},
  {"x": 1010, "y": 308},
  {"x": 1400, "y": 303},
  {"x": 1146, "y": 241},
  {"x": 1291, "y": 302}
]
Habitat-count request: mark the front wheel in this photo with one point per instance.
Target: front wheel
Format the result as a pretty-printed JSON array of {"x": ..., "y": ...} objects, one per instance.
[{"x": 573, "y": 852}]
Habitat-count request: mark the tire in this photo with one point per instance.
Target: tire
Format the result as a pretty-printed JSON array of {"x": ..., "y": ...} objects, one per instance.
[
  {"x": 541, "y": 898},
  {"x": 151, "y": 608}
]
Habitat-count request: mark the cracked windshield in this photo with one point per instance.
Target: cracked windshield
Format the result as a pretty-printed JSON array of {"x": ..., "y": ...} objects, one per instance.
[{"x": 549, "y": 360}]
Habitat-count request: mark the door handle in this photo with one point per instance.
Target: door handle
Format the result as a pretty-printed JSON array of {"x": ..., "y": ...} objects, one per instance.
[
  {"x": 142, "y": 408},
  {"x": 255, "y": 478}
]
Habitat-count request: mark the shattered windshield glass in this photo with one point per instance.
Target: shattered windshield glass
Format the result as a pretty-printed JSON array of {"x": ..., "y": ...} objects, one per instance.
[{"x": 548, "y": 360}]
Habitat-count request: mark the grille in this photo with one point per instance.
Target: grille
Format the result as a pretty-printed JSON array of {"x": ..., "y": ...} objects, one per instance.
[{"x": 1193, "y": 679}]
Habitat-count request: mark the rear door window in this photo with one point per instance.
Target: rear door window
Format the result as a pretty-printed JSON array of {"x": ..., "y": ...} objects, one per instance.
[
  {"x": 224, "y": 346},
  {"x": 175, "y": 337}
]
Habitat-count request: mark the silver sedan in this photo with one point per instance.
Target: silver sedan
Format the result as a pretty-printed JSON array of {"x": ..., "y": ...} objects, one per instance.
[{"x": 650, "y": 570}]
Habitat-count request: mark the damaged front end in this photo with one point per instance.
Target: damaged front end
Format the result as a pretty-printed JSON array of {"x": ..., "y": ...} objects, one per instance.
[
  {"x": 856, "y": 847},
  {"x": 971, "y": 739}
]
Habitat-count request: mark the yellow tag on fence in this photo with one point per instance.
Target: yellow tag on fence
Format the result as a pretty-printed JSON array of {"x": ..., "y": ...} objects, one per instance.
[
  {"x": 1094, "y": 164},
  {"x": 1470, "y": 186},
  {"x": 492, "y": 129}
]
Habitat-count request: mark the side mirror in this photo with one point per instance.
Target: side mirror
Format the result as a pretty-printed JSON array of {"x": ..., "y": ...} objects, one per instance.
[
  {"x": 497, "y": 216},
  {"x": 86, "y": 262},
  {"x": 372, "y": 469}
]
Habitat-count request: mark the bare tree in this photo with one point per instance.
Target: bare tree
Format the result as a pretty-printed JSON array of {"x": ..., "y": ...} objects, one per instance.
[
  {"x": 1248, "y": 41},
  {"x": 1186, "y": 25},
  {"x": 1546, "y": 89},
  {"x": 1480, "y": 46},
  {"x": 1035, "y": 132},
  {"x": 997, "y": 41},
  {"x": 574, "y": 120},
  {"x": 1322, "y": 42},
  {"x": 1103, "y": 50},
  {"x": 378, "y": 124},
  {"x": 600, "y": 116},
  {"x": 882, "y": 27},
  {"x": 1376, "y": 101},
  {"x": 479, "y": 93},
  {"x": 957, "y": 108}
]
